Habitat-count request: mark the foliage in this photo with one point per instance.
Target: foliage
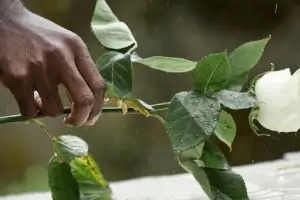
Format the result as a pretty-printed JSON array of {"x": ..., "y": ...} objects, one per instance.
[
  {"x": 73, "y": 173},
  {"x": 212, "y": 73},
  {"x": 189, "y": 122},
  {"x": 192, "y": 117}
]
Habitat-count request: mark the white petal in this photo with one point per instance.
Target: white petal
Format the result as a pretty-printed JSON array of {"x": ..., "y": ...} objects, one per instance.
[
  {"x": 294, "y": 85},
  {"x": 268, "y": 86},
  {"x": 278, "y": 96}
]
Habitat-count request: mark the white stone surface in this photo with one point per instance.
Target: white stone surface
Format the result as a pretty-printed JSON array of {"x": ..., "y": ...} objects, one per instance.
[{"x": 276, "y": 180}]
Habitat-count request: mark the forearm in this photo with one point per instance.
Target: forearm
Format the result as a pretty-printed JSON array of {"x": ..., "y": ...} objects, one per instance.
[{"x": 10, "y": 8}]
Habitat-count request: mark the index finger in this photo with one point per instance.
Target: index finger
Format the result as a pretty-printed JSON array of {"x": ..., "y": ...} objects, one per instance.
[
  {"x": 94, "y": 80},
  {"x": 82, "y": 97}
]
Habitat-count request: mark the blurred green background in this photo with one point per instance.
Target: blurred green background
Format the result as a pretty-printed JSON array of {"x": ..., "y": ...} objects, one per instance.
[{"x": 133, "y": 146}]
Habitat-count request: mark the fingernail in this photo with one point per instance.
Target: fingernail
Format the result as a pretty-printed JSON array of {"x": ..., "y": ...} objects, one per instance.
[
  {"x": 91, "y": 122},
  {"x": 67, "y": 124}
]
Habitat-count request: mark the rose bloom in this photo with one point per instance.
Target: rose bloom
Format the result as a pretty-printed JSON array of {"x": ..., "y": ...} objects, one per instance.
[{"x": 278, "y": 97}]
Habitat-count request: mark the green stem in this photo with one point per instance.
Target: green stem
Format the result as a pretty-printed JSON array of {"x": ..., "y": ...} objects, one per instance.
[
  {"x": 105, "y": 110},
  {"x": 43, "y": 126}
]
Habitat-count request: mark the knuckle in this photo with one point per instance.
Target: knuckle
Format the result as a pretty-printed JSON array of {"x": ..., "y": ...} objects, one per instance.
[
  {"x": 16, "y": 75},
  {"x": 55, "y": 49},
  {"x": 75, "y": 39},
  {"x": 98, "y": 85},
  {"x": 86, "y": 100},
  {"x": 35, "y": 64},
  {"x": 20, "y": 75}
]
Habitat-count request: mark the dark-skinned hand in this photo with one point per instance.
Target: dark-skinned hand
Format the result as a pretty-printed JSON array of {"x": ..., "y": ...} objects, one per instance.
[{"x": 36, "y": 56}]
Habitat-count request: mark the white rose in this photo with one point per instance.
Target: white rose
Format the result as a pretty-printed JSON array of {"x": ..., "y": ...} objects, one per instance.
[{"x": 278, "y": 96}]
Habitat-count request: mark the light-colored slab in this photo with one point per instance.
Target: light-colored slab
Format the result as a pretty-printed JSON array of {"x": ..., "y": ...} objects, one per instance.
[{"x": 275, "y": 180}]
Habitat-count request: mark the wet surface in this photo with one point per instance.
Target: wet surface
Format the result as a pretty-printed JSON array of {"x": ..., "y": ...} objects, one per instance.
[{"x": 276, "y": 180}]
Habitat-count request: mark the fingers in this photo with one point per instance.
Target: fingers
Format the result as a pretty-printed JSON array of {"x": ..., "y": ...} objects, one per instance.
[
  {"x": 23, "y": 81},
  {"x": 92, "y": 77},
  {"x": 47, "y": 95},
  {"x": 35, "y": 86},
  {"x": 24, "y": 97},
  {"x": 19, "y": 83},
  {"x": 48, "y": 100},
  {"x": 82, "y": 97},
  {"x": 38, "y": 100}
]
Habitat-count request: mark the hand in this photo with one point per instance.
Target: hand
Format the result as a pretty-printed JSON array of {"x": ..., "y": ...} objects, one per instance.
[{"x": 36, "y": 56}]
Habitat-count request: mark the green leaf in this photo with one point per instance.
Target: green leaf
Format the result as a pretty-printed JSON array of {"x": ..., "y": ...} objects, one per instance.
[
  {"x": 191, "y": 119},
  {"x": 206, "y": 154},
  {"x": 168, "y": 64},
  {"x": 115, "y": 68},
  {"x": 235, "y": 100},
  {"x": 199, "y": 174},
  {"x": 212, "y": 72},
  {"x": 112, "y": 33},
  {"x": 217, "y": 183},
  {"x": 62, "y": 184},
  {"x": 243, "y": 59},
  {"x": 90, "y": 180},
  {"x": 226, "y": 129},
  {"x": 212, "y": 157},
  {"x": 194, "y": 153},
  {"x": 246, "y": 56},
  {"x": 226, "y": 184},
  {"x": 211, "y": 167},
  {"x": 236, "y": 83},
  {"x": 67, "y": 147}
]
